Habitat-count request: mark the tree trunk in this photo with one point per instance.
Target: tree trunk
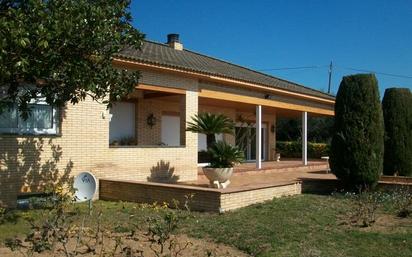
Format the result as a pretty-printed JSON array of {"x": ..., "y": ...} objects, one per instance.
[{"x": 210, "y": 140}]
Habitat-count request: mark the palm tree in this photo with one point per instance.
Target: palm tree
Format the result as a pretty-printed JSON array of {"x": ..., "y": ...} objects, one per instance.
[{"x": 210, "y": 124}]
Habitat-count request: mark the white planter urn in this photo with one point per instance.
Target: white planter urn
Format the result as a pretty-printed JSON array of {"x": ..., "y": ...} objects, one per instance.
[{"x": 218, "y": 177}]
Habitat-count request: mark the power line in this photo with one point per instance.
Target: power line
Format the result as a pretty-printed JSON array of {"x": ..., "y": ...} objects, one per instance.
[
  {"x": 330, "y": 70},
  {"x": 338, "y": 66},
  {"x": 294, "y": 68},
  {"x": 376, "y": 72}
]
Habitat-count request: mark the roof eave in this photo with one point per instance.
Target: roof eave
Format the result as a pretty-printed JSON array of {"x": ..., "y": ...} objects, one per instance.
[{"x": 122, "y": 60}]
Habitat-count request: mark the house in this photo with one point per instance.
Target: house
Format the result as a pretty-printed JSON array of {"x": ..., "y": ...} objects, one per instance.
[{"x": 143, "y": 137}]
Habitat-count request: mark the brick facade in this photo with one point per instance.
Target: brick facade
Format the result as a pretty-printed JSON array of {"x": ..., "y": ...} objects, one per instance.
[{"x": 26, "y": 162}]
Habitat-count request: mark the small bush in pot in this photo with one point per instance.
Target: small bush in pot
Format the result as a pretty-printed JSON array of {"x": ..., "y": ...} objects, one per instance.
[{"x": 223, "y": 157}]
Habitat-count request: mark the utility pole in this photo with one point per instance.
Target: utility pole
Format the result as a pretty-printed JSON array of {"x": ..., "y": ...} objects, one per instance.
[{"x": 330, "y": 76}]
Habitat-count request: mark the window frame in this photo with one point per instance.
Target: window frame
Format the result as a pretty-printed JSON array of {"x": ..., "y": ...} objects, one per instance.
[{"x": 19, "y": 130}]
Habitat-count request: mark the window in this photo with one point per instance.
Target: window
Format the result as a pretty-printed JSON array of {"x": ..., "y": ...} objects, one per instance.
[
  {"x": 201, "y": 141},
  {"x": 43, "y": 119},
  {"x": 170, "y": 130},
  {"x": 122, "y": 123}
]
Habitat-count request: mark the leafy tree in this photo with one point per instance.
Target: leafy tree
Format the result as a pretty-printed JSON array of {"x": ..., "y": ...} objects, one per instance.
[
  {"x": 397, "y": 113},
  {"x": 290, "y": 129},
  {"x": 357, "y": 143},
  {"x": 62, "y": 50},
  {"x": 211, "y": 124},
  {"x": 320, "y": 129}
]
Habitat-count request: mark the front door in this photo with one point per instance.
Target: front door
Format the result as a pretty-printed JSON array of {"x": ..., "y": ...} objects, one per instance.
[{"x": 246, "y": 140}]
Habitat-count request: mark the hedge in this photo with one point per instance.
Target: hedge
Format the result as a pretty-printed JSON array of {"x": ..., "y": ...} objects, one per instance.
[
  {"x": 357, "y": 143},
  {"x": 293, "y": 149},
  {"x": 397, "y": 113}
]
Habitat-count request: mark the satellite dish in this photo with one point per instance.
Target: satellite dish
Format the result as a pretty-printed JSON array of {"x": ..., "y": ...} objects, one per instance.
[{"x": 85, "y": 185}]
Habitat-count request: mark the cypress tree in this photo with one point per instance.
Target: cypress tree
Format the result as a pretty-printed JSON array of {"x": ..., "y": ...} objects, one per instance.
[
  {"x": 357, "y": 142},
  {"x": 397, "y": 113}
]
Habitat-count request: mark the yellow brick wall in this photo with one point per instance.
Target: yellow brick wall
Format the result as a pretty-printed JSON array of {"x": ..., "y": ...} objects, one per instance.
[
  {"x": 232, "y": 201},
  {"x": 204, "y": 199},
  {"x": 152, "y": 136},
  {"x": 26, "y": 162},
  {"x": 146, "y": 162},
  {"x": 143, "y": 192},
  {"x": 153, "y": 78},
  {"x": 147, "y": 135}
]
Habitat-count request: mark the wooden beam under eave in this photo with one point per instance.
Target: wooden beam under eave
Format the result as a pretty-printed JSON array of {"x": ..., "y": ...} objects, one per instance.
[
  {"x": 157, "y": 95},
  {"x": 265, "y": 102},
  {"x": 161, "y": 89}
]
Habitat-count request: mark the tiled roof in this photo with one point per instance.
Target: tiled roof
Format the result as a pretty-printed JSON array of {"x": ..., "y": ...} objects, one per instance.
[{"x": 164, "y": 55}]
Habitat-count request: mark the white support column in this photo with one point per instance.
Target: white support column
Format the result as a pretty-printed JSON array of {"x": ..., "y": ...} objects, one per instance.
[
  {"x": 305, "y": 138},
  {"x": 258, "y": 136}
]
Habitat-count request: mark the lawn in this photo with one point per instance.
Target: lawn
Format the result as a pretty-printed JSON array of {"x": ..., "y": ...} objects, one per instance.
[{"x": 304, "y": 225}]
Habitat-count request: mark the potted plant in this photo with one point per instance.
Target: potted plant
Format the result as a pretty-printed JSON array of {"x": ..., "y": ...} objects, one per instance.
[{"x": 223, "y": 157}]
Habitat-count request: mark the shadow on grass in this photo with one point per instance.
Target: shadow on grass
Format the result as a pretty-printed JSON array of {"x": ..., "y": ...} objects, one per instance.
[{"x": 320, "y": 186}]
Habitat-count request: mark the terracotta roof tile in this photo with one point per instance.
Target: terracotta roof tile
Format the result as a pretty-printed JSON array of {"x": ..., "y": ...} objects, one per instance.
[{"x": 164, "y": 55}]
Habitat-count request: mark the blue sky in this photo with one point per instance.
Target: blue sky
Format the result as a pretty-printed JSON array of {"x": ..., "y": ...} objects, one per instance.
[{"x": 371, "y": 35}]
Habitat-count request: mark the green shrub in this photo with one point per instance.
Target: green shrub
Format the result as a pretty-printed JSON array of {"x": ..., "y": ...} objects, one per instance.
[
  {"x": 397, "y": 113},
  {"x": 365, "y": 207},
  {"x": 357, "y": 143},
  {"x": 402, "y": 200},
  {"x": 7, "y": 216},
  {"x": 290, "y": 129},
  {"x": 293, "y": 149},
  {"x": 224, "y": 155},
  {"x": 317, "y": 150},
  {"x": 289, "y": 149}
]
